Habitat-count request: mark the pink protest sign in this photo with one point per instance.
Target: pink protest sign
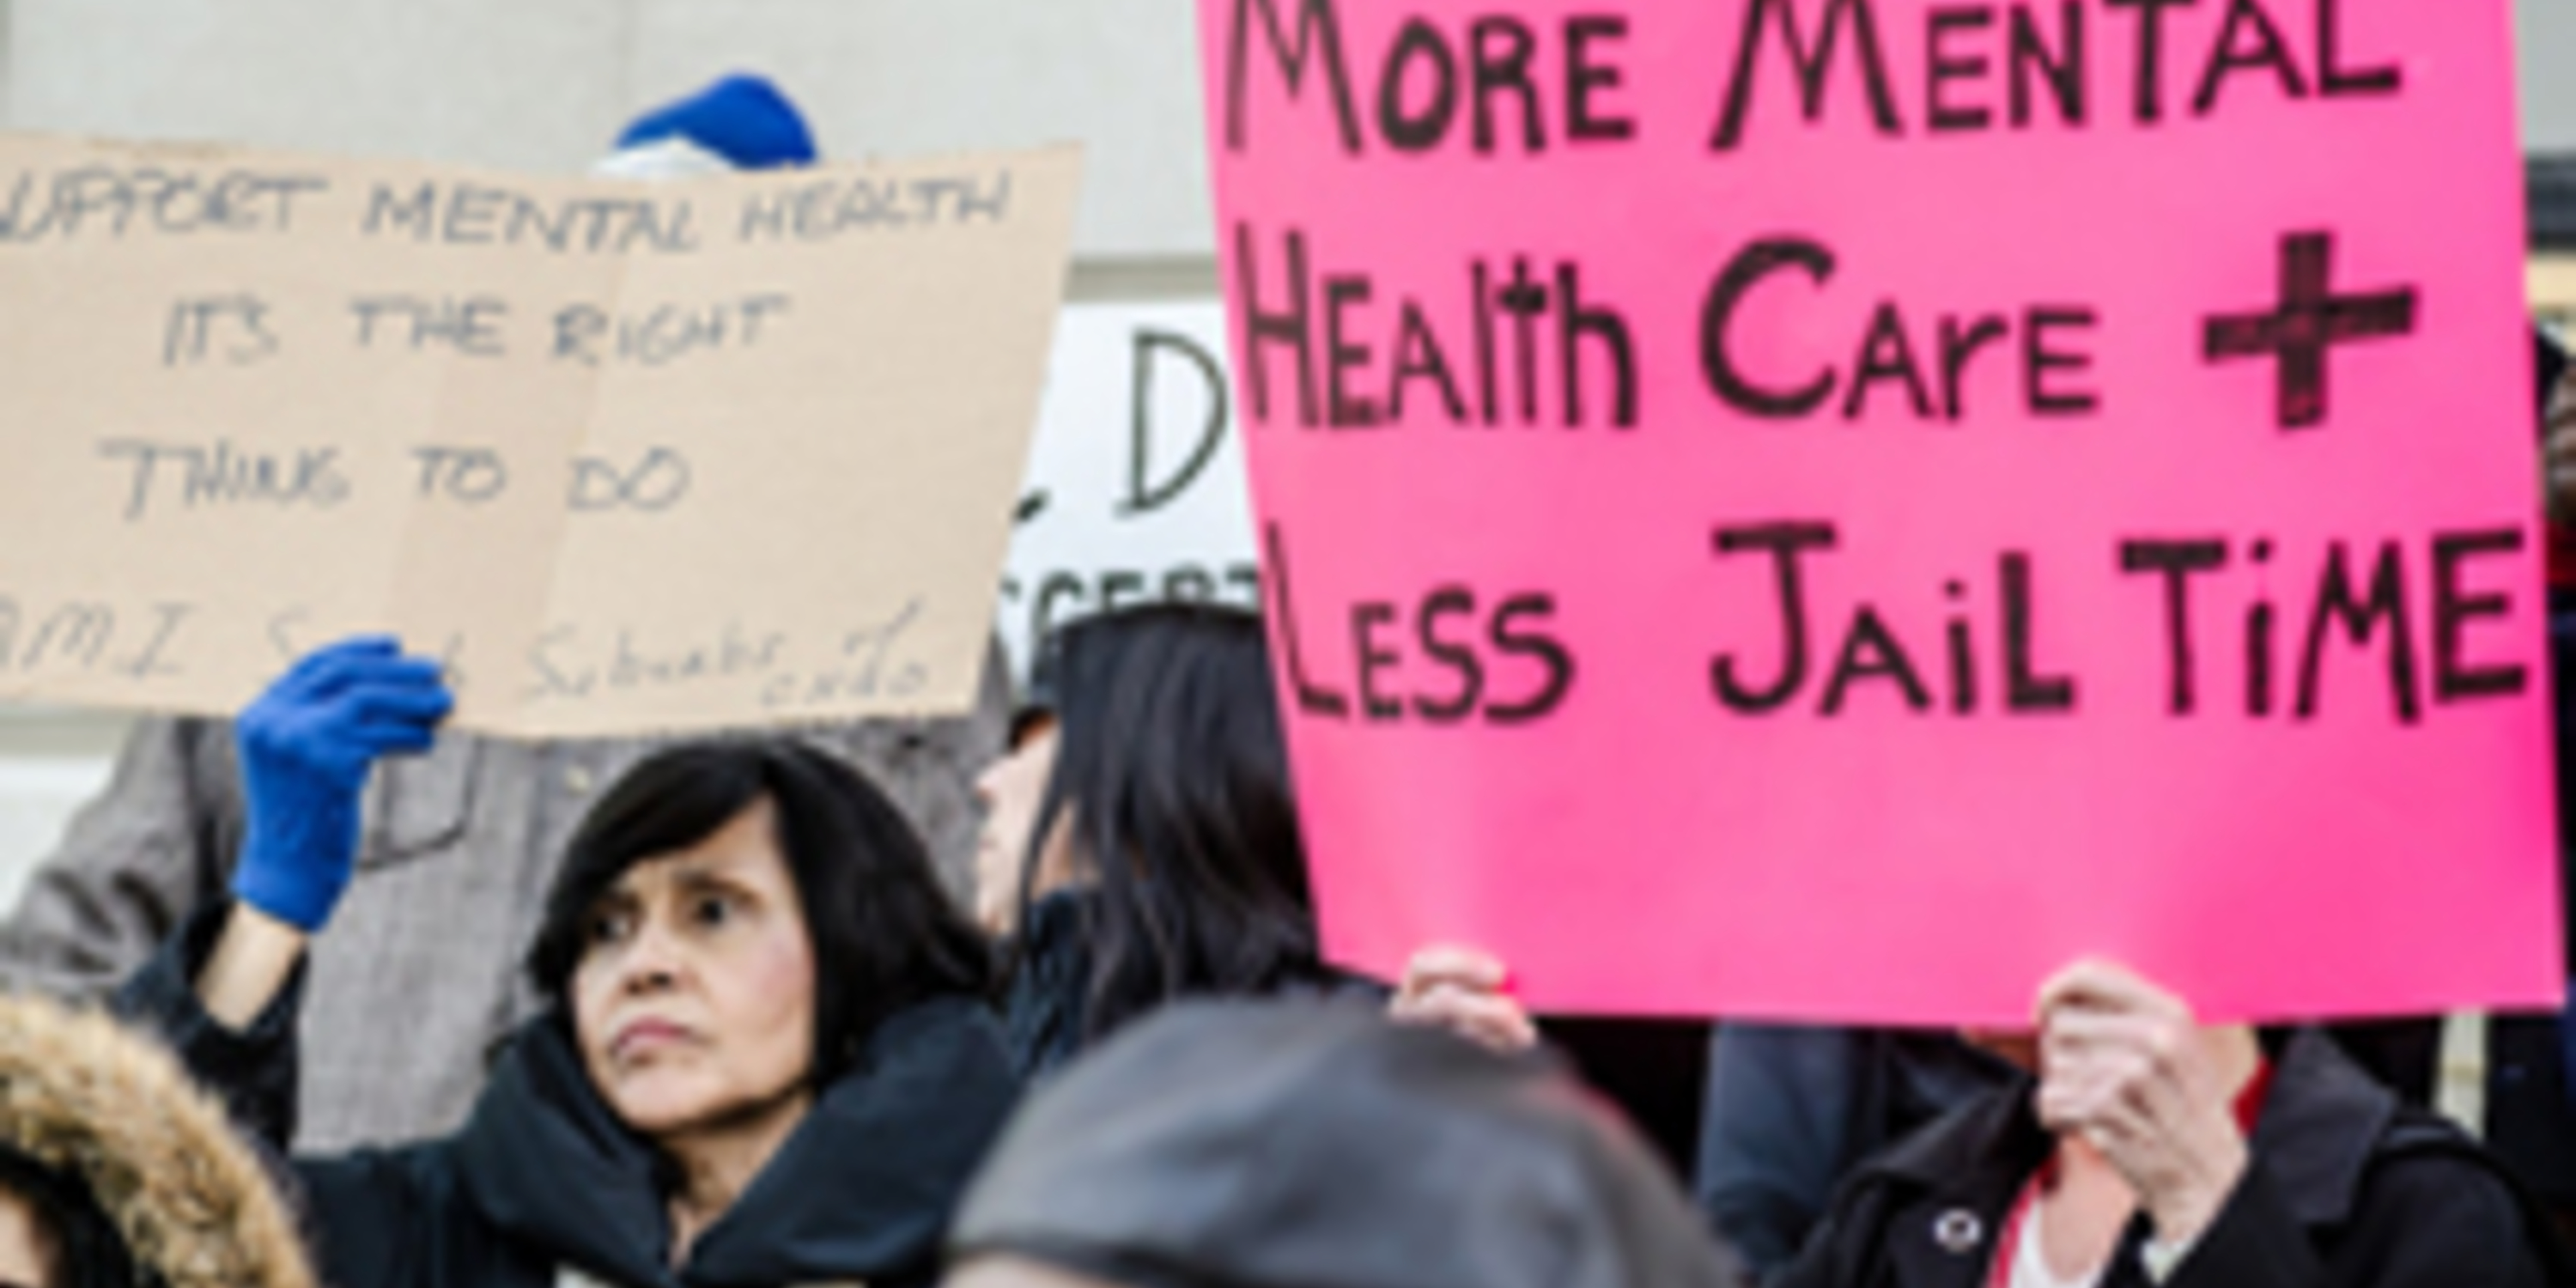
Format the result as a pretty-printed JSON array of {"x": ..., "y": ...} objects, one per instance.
[{"x": 1835, "y": 508}]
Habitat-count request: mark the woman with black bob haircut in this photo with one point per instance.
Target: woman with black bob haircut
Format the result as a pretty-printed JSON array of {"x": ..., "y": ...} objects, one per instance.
[
  {"x": 1141, "y": 840},
  {"x": 765, "y": 1057},
  {"x": 884, "y": 934}
]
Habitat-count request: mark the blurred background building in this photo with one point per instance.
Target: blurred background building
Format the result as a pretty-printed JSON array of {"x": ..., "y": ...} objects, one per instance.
[{"x": 543, "y": 85}]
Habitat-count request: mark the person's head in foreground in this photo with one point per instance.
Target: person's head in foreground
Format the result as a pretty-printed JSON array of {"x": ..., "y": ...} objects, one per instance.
[
  {"x": 1142, "y": 840},
  {"x": 115, "y": 1172},
  {"x": 1310, "y": 1144},
  {"x": 2146, "y": 1149}
]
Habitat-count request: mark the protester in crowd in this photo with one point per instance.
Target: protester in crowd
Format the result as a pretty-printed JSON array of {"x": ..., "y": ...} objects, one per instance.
[
  {"x": 1792, "y": 1109},
  {"x": 115, "y": 1172},
  {"x": 415, "y": 985},
  {"x": 2194, "y": 1154},
  {"x": 2138, "y": 1147},
  {"x": 764, "y": 1059},
  {"x": 1167, "y": 717},
  {"x": 1291, "y": 1144},
  {"x": 1162, "y": 857}
]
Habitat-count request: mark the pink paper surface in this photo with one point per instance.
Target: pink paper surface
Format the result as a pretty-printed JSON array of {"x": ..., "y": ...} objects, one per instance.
[{"x": 1642, "y": 846}]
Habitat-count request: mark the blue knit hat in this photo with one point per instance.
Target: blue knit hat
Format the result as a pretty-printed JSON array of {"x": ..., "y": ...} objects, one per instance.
[{"x": 742, "y": 120}]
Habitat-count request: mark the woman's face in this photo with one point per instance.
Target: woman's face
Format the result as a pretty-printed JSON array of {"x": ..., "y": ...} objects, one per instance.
[
  {"x": 694, "y": 999},
  {"x": 26, "y": 1254},
  {"x": 1011, "y": 793}
]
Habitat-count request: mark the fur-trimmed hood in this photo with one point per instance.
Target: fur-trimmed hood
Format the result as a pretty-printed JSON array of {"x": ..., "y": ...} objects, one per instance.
[{"x": 86, "y": 1097}]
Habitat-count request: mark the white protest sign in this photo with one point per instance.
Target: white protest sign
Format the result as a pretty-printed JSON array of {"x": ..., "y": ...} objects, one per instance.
[{"x": 1135, "y": 489}]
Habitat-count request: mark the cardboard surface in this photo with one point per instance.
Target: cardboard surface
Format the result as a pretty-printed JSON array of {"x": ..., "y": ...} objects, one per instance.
[
  {"x": 2145, "y": 442},
  {"x": 631, "y": 457}
]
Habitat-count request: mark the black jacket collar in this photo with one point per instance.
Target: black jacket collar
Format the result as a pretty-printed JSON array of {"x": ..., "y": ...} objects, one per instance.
[
  {"x": 861, "y": 1190},
  {"x": 2319, "y": 1128},
  {"x": 2319, "y": 1123}
]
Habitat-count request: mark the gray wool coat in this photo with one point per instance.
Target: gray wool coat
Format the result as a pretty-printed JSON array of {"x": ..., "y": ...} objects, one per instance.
[{"x": 418, "y": 975}]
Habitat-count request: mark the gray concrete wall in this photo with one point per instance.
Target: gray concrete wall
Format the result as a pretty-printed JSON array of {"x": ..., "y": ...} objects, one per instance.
[
  {"x": 544, "y": 84},
  {"x": 2548, "y": 43},
  {"x": 937, "y": 75}
]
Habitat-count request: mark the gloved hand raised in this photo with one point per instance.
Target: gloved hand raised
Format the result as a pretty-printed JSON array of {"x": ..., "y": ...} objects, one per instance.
[{"x": 306, "y": 746}]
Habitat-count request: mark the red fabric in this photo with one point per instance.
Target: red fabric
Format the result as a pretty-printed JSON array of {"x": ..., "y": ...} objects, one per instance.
[
  {"x": 2249, "y": 1102},
  {"x": 2008, "y": 1240},
  {"x": 2562, "y": 557}
]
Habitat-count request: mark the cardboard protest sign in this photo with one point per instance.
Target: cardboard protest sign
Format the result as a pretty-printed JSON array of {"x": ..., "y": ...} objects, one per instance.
[
  {"x": 1135, "y": 490},
  {"x": 629, "y": 456},
  {"x": 1836, "y": 508}
]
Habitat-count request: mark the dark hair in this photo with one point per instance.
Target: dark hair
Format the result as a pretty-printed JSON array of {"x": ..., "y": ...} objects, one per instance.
[
  {"x": 87, "y": 1249},
  {"x": 1171, "y": 761},
  {"x": 884, "y": 934}
]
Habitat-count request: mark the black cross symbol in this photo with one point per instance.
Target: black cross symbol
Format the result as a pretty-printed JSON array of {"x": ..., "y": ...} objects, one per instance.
[{"x": 2311, "y": 321}]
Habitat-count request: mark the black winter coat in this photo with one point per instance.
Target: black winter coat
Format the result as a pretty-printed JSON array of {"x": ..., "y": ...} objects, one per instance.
[
  {"x": 543, "y": 1179},
  {"x": 2347, "y": 1189}
]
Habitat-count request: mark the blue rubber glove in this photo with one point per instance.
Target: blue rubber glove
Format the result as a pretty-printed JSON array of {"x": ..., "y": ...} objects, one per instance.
[{"x": 306, "y": 746}]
